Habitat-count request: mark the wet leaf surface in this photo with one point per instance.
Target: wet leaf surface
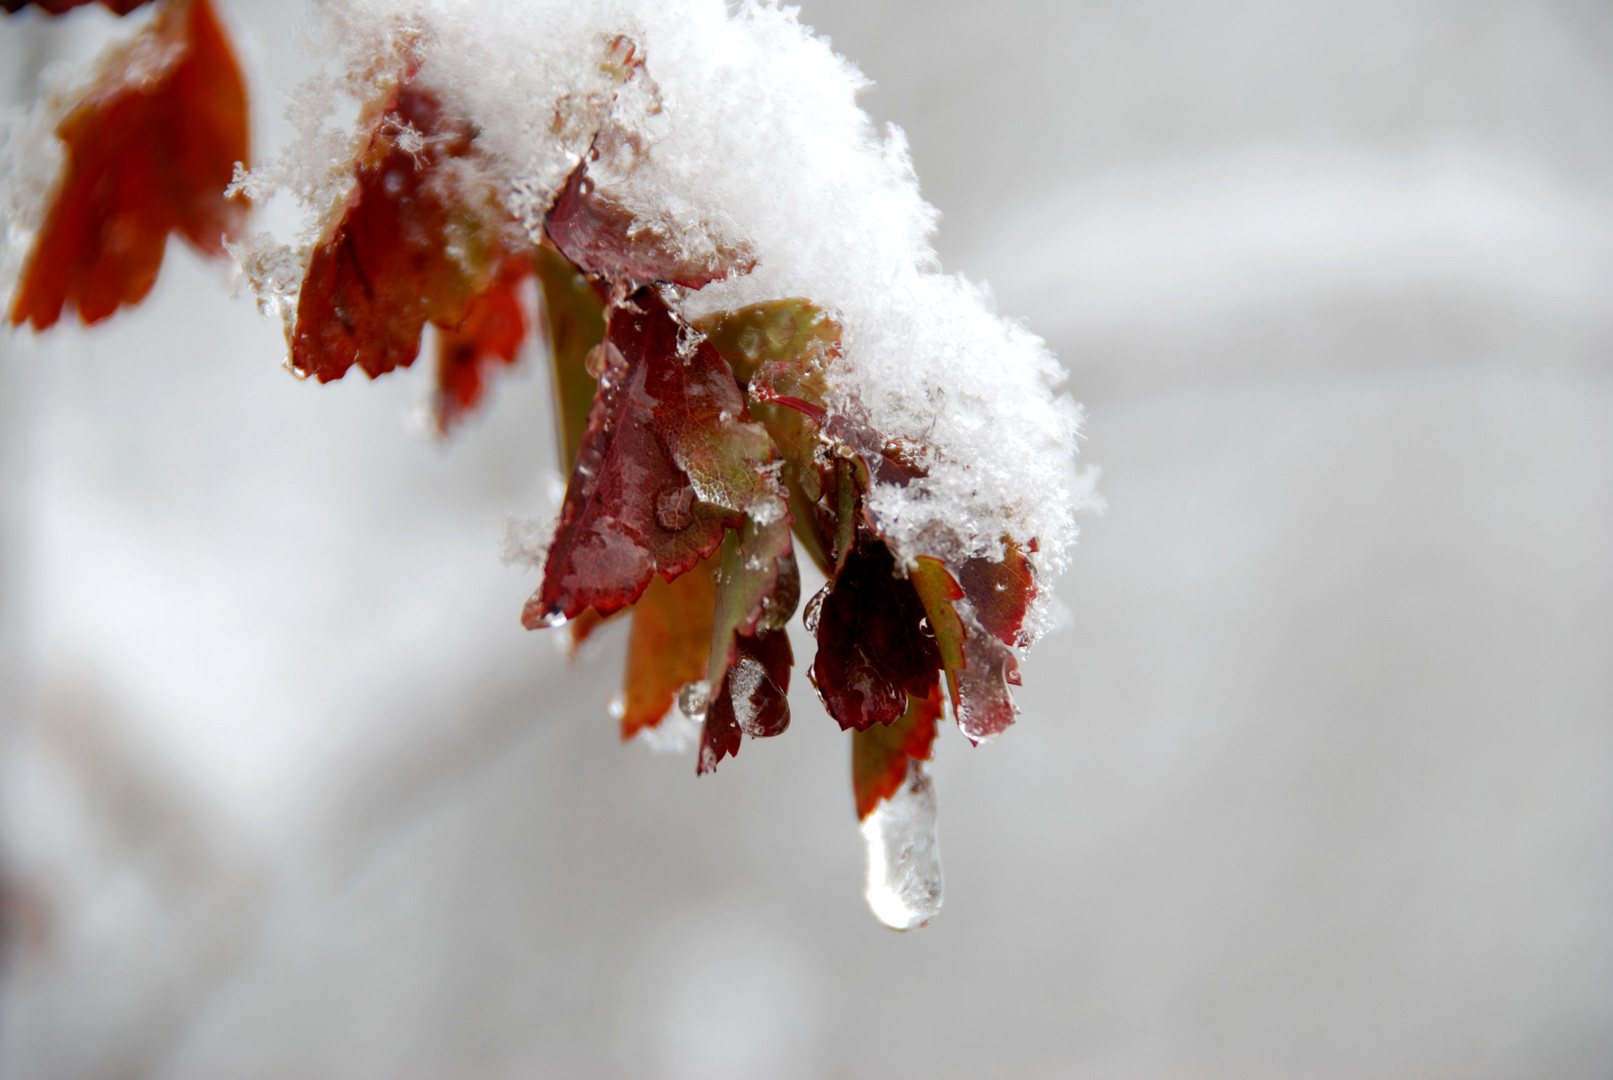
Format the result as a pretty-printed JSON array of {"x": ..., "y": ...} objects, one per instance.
[
  {"x": 753, "y": 699},
  {"x": 669, "y": 460},
  {"x": 150, "y": 148},
  {"x": 873, "y": 651}
]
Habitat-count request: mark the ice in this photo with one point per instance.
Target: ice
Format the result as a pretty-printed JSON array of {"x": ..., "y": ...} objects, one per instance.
[
  {"x": 904, "y": 859},
  {"x": 737, "y": 132}
]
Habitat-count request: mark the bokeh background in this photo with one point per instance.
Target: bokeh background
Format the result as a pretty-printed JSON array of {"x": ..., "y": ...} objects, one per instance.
[{"x": 1316, "y": 779}]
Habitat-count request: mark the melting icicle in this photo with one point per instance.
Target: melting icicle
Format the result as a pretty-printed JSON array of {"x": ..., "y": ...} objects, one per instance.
[
  {"x": 904, "y": 860},
  {"x": 693, "y": 700}
]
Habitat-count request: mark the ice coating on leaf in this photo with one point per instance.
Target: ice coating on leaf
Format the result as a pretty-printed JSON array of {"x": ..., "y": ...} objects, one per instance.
[
  {"x": 669, "y": 461},
  {"x": 1000, "y": 592},
  {"x": 903, "y": 855},
  {"x": 979, "y": 667},
  {"x": 151, "y": 144},
  {"x": 753, "y": 699},
  {"x": 733, "y": 129}
]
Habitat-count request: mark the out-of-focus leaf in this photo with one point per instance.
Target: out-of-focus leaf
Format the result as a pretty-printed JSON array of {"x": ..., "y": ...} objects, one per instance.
[
  {"x": 667, "y": 645},
  {"x": 575, "y": 316},
  {"x": 1000, "y": 591},
  {"x": 873, "y": 652},
  {"x": 57, "y": 7},
  {"x": 879, "y": 756},
  {"x": 420, "y": 237},
  {"x": 151, "y": 146},
  {"x": 670, "y": 459},
  {"x": 490, "y": 334}
]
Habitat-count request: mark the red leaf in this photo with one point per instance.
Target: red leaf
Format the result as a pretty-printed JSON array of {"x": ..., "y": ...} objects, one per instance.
[
  {"x": 491, "y": 333},
  {"x": 670, "y": 460},
  {"x": 417, "y": 241},
  {"x": 597, "y": 234},
  {"x": 150, "y": 149},
  {"x": 1000, "y": 592},
  {"x": 58, "y": 7},
  {"x": 879, "y": 756},
  {"x": 872, "y": 650}
]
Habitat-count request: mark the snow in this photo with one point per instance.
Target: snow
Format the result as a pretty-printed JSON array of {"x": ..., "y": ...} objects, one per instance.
[{"x": 741, "y": 135}]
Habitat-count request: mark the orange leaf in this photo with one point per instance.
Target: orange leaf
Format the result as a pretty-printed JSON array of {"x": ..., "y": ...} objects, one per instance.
[
  {"x": 417, "y": 242},
  {"x": 491, "y": 334},
  {"x": 668, "y": 644},
  {"x": 150, "y": 149}
]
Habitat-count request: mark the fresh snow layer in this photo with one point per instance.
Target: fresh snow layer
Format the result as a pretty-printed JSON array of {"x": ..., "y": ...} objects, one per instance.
[{"x": 742, "y": 134}]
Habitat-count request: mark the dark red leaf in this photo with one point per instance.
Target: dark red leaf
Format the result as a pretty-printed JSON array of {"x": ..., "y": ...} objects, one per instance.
[
  {"x": 150, "y": 149},
  {"x": 670, "y": 460},
  {"x": 879, "y": 756},
  {"x": 418, "y": 240},
  {"x": 1000, "y": 591},
  {"x": 872, "y": 649},
  {"x": 597, "y": 234},
  {"x": 490, "y": 335}
]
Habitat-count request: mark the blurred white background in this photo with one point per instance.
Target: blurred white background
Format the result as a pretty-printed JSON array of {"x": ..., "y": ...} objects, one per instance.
[{"x": 1317, "y": 780}]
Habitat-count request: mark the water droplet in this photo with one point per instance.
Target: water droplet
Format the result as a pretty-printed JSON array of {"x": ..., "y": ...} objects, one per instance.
[
  {"x": 554, "y": 618},
  {"x": 594, "y": 361},
  {"x": 618, "y": 705},
  {"x": 904, "y": 860},
  {"x": 674, "y": 508},
  {"x": 814, "y": 607},
  {"x": 694, "y": 698}
]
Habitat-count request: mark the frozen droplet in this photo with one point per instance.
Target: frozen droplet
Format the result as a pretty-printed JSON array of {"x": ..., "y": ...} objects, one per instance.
[
  {"x": 674, "y": 508},
  {"x": 554, "y": 618},
  {"x": 618, "y": 705},
  {"x": 814, "y": 606},
  {"x": 694, "y": 698},
  {"x": 904, "y": 860}
]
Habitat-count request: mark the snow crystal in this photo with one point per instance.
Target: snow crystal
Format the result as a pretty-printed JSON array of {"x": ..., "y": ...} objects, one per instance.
[{"x": 741, "y": 134}]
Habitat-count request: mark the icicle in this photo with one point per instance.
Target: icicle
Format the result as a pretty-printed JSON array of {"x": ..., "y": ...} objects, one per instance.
[{"x": 904, "y": 859}]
